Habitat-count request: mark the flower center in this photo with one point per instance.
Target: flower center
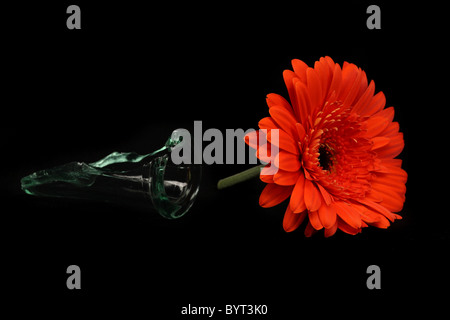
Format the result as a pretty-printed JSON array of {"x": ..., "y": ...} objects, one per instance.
[
  {"x": 336, "y": 153},
  {"x": 326, "y": 157}
]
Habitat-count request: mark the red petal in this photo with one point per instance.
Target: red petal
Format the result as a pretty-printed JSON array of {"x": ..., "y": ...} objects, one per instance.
[
  {"x": 376, "y": 104},
  {"x": 314, "y": 88},
  {"x": 348, "y": 214},
  {"x": 313, "y": 198},
  {"x": 287, "y": 161},
  {"x": 290, "y": 78},
  {"x": 376, "y": 125},
  {"x": 285, "y": 119},
  {"x": 266, "y": 178},
  {"x": 274, "y": 99},
  {"x": 379, "y": 142},
  {"x": 291, "y": 220},
  {"x": 391, "y": 130},
  {"x": 393, "y": 148},
  {"x": 283, "y": 141},
  {"x": 300, "y": 131},
  {"x": 387, "y": 113},
  {"x": 300, "y": 69},
  {"x": 303, "y": 103},
  {"x": 378, "y": 208},
  {"x": 273, "y": 194},
  {"x": 349, "y": 74},
  {"x": 264, "y": 153},
  {"x": 266, "y": 174},
  {"x": 267, "y": 123},
  {"x": 336, "y": 81},
  {"x": 355, "y": 88},
  {"x": 309, "y": 230},
  {"x": 382, "y": 223},
  {"x": 331, "y": 231},
  {"x": 314, "y": 220},
  {"x": 297, "y": 202},
  {"x": 324, "y": 72},
  {"x": 388, "y": 197},
  {"x": 330, "y": 62},
  {"x": 251, "y": 139},
  {"x": 327, "y": 215},
  {"x": 363, "y": 102},
  {"x": 286, "y": 178},
  {"x": 394, "y": 181},
  {"x": 367, "y": 215},
  {"x": 346, "y": 228},
  {"x": 325, "y": 195}
]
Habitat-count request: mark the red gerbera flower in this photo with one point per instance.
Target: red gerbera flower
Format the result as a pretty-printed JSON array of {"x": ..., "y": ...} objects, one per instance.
[{"x": 337, "y": 145}]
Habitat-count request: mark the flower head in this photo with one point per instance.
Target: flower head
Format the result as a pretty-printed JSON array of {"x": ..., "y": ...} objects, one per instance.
[{"x": 336, "y": 146}]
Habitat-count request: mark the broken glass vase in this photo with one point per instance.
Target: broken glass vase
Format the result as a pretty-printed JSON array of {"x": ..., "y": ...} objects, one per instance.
[{"x": 151, "y": 181}]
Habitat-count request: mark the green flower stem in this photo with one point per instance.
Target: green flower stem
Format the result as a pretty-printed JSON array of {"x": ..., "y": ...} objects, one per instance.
[{"x": 239, "y": 177}]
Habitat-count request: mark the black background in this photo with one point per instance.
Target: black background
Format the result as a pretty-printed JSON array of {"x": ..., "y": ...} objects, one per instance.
[{"x": 134, "y": 73}]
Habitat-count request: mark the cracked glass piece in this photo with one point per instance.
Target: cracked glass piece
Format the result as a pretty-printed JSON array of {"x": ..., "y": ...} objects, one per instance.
[{"x": 151, "y": 180}]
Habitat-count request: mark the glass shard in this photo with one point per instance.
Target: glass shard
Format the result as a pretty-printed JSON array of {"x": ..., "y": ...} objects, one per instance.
[{"x": 151, "y": 180}]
